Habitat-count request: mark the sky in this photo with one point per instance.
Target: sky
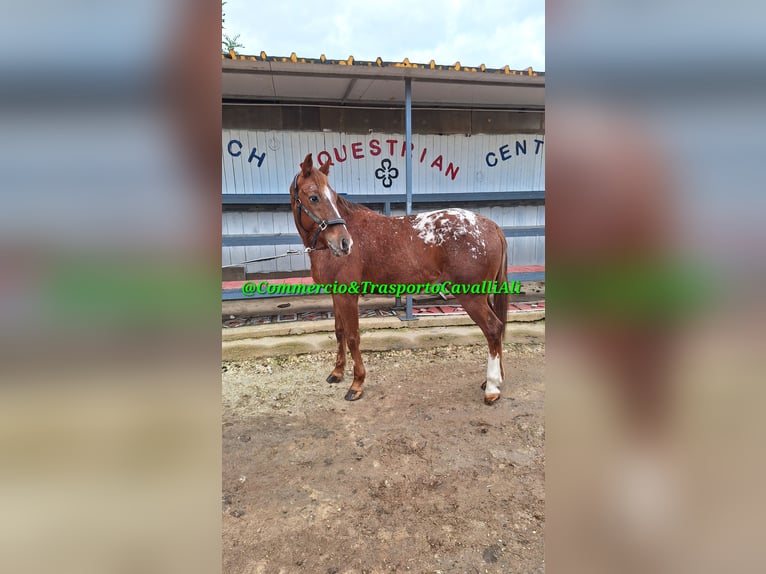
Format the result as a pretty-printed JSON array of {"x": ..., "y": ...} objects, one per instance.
[{"x": 473, "y": 32}]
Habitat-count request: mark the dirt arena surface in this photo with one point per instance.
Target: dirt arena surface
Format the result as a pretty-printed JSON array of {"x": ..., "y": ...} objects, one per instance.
[{"x": 419, "y": 475}]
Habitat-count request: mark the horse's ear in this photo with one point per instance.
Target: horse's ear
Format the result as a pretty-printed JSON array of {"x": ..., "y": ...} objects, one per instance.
[
  {"x": 325, "y": 167},
  {"x": 307, "y": 166}
]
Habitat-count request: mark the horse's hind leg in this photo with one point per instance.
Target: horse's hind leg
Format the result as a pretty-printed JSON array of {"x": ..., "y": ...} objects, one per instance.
[
  {"x": 336, "y": 375},
  {"x": 477, "y": 307},
  {"x": 347, "y": 307}
]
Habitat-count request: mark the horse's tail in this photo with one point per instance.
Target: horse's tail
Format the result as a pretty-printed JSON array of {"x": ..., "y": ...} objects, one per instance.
[{"x": 500, "y": 300}]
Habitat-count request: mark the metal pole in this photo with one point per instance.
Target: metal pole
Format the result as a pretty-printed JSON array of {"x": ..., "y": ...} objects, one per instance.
[
  {"x": 408, "y": 169},
  {"x": 408, "y": 139}
]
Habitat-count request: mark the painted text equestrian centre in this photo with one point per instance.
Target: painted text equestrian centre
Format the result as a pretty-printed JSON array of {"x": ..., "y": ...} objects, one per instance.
[{"x": 251, "y": 288}]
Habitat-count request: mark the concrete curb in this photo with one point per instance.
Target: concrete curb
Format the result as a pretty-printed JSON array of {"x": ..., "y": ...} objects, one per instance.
[
  {"x": 367, "y": 324},
  {"x": 378, "y": 334}
]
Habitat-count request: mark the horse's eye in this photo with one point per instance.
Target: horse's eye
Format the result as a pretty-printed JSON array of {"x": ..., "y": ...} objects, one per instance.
[{"x": 314, "y": 198}]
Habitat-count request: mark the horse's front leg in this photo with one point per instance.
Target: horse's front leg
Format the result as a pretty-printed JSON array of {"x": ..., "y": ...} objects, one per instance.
[
  {"x": 347, "y": 307},
  {"x": 336, "y": 375}
]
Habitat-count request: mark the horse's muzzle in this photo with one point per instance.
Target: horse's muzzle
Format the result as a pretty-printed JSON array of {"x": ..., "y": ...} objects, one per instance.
[{"x": 342, "y": 248}]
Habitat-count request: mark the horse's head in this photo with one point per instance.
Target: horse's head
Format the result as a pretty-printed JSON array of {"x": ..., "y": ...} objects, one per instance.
[{"x": 316, "y": 210}]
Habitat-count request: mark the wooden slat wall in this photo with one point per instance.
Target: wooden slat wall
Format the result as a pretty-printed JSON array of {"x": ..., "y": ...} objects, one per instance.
[
  {"x": 470, "y": 156},
  {"x": 282, "y": 153}
]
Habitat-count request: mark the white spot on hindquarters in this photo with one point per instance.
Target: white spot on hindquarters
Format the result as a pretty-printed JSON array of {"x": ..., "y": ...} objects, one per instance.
[
  {"x": 425, "y": 225},
  {"x": 435, "y": 227},
  {"x": 494, "y": 376},
  {"x": 462, "y": 214}
]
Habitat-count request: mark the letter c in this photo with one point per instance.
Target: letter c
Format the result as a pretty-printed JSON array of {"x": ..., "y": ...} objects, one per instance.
[
  {"x": 239, "y": 143},
  {"x": 485, "y": 159}
]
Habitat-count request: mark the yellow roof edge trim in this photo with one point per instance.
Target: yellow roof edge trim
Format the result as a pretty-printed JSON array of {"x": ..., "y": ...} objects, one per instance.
[{"x": 380, "y": 63}]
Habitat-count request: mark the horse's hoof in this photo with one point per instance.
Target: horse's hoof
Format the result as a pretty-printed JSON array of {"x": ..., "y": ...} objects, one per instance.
[
  {"x": 352, "y": 395},
  {"x": 484, "y": 385},
  {"x": 490, "y": 399},
  {"x": 333, "y": 379}
]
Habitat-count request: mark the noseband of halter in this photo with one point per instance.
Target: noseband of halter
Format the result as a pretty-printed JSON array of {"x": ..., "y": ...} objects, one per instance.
[{"x": 322, "y": 224}]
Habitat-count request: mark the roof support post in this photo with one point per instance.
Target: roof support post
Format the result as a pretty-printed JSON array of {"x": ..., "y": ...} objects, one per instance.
[
  {"x": 408, "y": 170},
  {"x": 408, "y": 140}
]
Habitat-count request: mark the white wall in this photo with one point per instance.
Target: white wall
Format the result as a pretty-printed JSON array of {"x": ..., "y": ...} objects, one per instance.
[{"x": 265, "y": 162}]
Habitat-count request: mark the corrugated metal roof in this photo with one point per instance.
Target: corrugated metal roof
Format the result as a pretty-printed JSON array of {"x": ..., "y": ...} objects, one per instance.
[{"x": 380, "y": 63}]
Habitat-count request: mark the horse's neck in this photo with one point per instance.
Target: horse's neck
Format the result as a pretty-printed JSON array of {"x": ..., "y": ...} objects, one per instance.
[{"x": 359, "y": 218}]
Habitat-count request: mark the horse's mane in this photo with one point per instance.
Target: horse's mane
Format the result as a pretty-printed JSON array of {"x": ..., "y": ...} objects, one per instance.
[{"x": 349, "y": 206}]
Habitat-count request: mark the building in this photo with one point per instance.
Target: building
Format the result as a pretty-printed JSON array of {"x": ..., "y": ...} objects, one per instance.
[{"x": 478, "y": 143}]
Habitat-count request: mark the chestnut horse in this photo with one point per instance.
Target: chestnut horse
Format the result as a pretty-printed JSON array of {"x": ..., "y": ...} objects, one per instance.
[{"x": 349, "y": 242}]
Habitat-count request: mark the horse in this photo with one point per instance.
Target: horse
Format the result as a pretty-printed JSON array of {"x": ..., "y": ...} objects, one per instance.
[{"x": 349, "y": 242}]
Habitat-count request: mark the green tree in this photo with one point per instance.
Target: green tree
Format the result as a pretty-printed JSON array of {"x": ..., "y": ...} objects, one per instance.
[{"x": 228, "y": 42}]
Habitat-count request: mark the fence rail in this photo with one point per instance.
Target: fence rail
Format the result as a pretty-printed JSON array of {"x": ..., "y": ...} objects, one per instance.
[{"x": 251, "y": 199}]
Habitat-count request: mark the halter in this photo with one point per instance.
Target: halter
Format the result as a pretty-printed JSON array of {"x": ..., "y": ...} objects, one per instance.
[{"x": 322, "y": 223}]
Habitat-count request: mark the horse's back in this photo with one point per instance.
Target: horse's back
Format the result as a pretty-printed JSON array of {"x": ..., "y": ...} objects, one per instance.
[{"x": 447, "y": 244}]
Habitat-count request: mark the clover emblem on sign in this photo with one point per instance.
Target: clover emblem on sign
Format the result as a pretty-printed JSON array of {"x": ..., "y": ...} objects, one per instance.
[{"x": 386, "y": 173}]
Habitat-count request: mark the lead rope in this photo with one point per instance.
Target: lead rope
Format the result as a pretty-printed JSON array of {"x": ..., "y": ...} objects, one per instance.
[{"x": 285, "y": 254}]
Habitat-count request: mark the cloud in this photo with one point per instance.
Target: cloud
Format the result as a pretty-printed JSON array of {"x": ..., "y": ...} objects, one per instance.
[{"x": 491, "y": 32}]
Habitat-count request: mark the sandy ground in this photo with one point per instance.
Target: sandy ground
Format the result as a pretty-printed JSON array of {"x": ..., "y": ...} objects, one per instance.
[{"x": 419, "y": 475}]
